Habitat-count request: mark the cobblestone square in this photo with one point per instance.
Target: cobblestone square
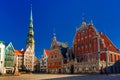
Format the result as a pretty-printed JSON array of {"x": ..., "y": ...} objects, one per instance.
[{"x": 61, "y": 77}]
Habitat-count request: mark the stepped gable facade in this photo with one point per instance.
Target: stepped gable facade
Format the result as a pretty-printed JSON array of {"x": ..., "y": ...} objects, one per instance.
[{"x": 94, "y": 51}]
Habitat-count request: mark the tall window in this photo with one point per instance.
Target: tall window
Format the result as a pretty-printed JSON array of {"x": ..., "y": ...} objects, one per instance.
[
  {"x": 114, "y": 57},
  {"x": 110, "y": 57}
]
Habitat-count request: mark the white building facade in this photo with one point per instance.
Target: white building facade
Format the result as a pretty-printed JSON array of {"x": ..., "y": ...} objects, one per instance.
[
  {"x": 28, "y": 62},
  {"x": 2, "y": 52},
  {"x": 43, "y": 61}
]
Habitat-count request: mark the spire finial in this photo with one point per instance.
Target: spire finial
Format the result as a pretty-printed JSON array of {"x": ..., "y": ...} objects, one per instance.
[
  {"x": 31, "y": 12},
  {"x": 54, "y": 34},
  {"x": 91, "y": 22},
  {"x": 31, "y": 17}
]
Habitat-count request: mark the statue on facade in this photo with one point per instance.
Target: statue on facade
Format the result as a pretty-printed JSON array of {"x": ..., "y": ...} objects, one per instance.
[{"x": 16, "y": 72}]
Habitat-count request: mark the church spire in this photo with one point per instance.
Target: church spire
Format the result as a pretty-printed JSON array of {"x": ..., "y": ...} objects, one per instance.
[
  {"x": 31, "y": 13},
  {"x": 31, "y": 18},
  {"x": 31, "y": 32},
  {"x": 30, "y": 38}
]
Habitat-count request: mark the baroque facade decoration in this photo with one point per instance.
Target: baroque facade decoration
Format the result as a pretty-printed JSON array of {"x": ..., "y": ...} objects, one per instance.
[
  {"x": 94, "y": 51},
  {"x": 57, "y": 56}
]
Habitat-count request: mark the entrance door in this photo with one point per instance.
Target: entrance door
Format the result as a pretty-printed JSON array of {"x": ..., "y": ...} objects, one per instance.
[
  {"x": 59, "y": 70},
  {"x": 72, "y": 69},
  {"x": 8, "y": 71}
]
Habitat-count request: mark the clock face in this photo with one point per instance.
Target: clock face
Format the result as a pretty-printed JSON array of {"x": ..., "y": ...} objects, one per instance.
[{"x": 83, "y": 31}]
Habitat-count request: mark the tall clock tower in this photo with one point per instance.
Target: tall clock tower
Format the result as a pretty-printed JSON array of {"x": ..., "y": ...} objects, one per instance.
[{"x": 30, "y": 39}]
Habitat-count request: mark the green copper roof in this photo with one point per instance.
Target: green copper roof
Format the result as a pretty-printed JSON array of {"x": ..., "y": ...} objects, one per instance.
[
  {"x": 31, "y": 19},
  {"x": 30, "y": 38},
  {"x": 31, "y": 32},
  {"x": 31, "y": 14},
  {"x": 2, "y": 42}
]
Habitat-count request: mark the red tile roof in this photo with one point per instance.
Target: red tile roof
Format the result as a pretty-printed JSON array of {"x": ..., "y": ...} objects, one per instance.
[
  {"x": 46, "y": 51},
  {"x": 18, "y": 52},
  {"x": 108, "y": 43}
]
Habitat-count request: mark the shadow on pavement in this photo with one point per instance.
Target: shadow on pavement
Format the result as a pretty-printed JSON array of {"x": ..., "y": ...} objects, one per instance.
[{"x": 89, "y": 77}]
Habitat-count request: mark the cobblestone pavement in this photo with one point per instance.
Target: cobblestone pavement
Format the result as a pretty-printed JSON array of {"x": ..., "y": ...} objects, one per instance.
[{"x": 61, "y": 77}]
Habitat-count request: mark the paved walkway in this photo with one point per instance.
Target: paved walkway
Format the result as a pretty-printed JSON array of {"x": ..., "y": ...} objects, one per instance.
[{"x": 61, "y": 77}]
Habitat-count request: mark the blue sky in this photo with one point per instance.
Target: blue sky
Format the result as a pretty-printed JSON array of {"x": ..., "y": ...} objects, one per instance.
[{"x": 63, "y": 16}]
